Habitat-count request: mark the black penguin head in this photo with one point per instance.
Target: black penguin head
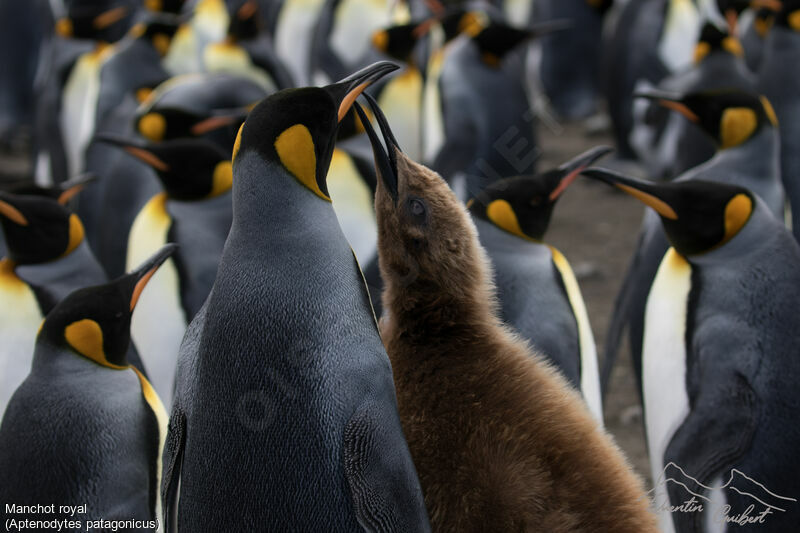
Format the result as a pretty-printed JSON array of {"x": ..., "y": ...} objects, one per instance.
[
  {"x": 712, "y": 39},
  {"x": 61, "y": 192},
  {"x": 296, "y": 128},
  {"x": 95, "y": 321},
  {"x": 39, "y": 228},
  {"x": 398, "y": 42},
  {"x": 98, "y": 21},
  {"x": 495, "y": 39},
  {"x": 169, "y": 123},
  {"x": 523, "y": 205},
  {"x": 158, "y": 29},
  {"x": 245, "y": 22},
  {"x": 189, "y": 169},
  {"x": 165, "y": 6},
  {"x": 698, "y": 216},
  {"x": 788, "y": 16},
  {"x": 730, "y": 117}
]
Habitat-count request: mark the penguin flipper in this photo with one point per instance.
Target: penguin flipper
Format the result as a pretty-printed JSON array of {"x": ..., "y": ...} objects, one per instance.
[
  {"x": 715, "y": 434},
  {"x": 380, "y": 474},
  {"x": 172, "y": 460}
]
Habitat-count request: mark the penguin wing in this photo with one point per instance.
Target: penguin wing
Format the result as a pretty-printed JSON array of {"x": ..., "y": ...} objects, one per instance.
[
  {"x": 716, "y": 433},
  {"x": 381, "y": 476},
  {"x": 172, "y": 459}
]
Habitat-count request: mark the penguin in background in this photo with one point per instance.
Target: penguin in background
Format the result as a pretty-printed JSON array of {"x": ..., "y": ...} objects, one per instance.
[
  {"x": 288, "y": 324},
  {"x": 135, "y": 65},
  {"x": 85, "y": 427},
  {"x": 782, "y": 87},
  {"x": 47, "y": 259},
  {"x": 82, "y": 33},
  {"x": 570, "y": 62},
  {"x": 341, "y": 40},
  {"x": 496, "y": 138},
  {"x": 719, "y": 365},
  {"x": 667, "y": 143},
  {"x": 203, "y": 105},
  {"x": 247, "y": 50},
  {"x": 194, "y": 211},
  {"x": 751, "y": 21},
  {"x": 537, "y": 290},
  {"x": 745, "y": 130},
  {"x": 295, "y": 24},
  {"x": 208, "y": 23}
]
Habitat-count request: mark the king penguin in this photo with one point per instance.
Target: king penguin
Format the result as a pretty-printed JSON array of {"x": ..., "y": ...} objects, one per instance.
[
  {"x": 719, "y": 365},
  {"x": 194, "y": 211},
  {"x": 744, "y": 128},
  {"x": 86, "y": 428},
  {"x": 782, "y": 87},
  {"x": 47, "y": 259},
  {"x": 290, "y": 411},
  {"x": 537, "y": 289}
]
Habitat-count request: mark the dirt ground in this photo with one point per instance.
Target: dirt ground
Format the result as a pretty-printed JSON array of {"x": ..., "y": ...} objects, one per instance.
[{"x": 596, "y": 228}]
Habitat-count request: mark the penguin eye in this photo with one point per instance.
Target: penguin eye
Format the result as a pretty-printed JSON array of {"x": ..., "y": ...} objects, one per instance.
[{"x": 417, "y": 210}]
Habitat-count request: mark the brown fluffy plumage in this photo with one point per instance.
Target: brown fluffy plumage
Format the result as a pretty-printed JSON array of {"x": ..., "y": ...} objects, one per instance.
[{"x": 500, "y": 441}]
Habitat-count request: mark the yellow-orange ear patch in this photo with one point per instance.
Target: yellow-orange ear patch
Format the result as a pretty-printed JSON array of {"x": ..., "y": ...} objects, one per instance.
[
  {"x": 86, "y": 338},
  {"x": 794, "y": 20},
  {"x": 64, "y": 27},
  {"x": 502, "y": 215},
  {"x": 295, "y": 148},
  {"x": 76, "y": 234},
  {"x": 737, "y": 213},
  {"x": 737, "y": 125},
  {"x": 733, "y": 46},
  {"x": 380, "y": 40},
  {"x": 472, "y": 23},
  {"x": 222, "y": 178},
  {"x": 161, "y": 42},
  {"x": 154, "y": 5},
  {"x": 12, "y": 213},
  {"x": 153, "y": 126},
  {"x": 661, "y": 207}
]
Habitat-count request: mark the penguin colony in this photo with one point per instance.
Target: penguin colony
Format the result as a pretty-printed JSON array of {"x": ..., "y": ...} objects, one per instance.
[{"x": 284, "y": 266}]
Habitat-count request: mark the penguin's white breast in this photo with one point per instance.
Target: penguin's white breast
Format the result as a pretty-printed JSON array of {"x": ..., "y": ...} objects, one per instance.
[{"x": 666, "y": 402}]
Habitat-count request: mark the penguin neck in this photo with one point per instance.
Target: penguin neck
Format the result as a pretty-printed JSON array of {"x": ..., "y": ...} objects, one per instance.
[
  {"x": 758, "y": 155},
  {"x": 495, "y": 239},
  {"x": 751, "y": 238},
  {"x": 270, "y": 207}
]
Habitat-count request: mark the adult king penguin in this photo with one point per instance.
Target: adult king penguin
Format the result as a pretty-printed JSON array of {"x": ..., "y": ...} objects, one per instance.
[
  {"x": 781, "y": 85},
  {"x": 744, "y": 128},
  {"x": 720, "y": 365},
  {"x": 288, "y": 420},
  {"x": 194, "y": 211},
  {"x": 538, "y": 292},
  {"x": 86, "y": 428}
]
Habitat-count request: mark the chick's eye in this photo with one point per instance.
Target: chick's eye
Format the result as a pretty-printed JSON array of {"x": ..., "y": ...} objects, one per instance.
[{"x": 417, "y": 209}]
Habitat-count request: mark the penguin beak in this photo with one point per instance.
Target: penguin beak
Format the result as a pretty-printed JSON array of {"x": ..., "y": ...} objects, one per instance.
[
  {"x": 385, "y": 160},
  {"x": 645, "y": 192},
  {"x": 138, "y": 149},
  {"x": 107, "y": 18},
  {"x": 346, "y": 91},
  {"x": 670, "y": 101},
  {"x": 10, "y": 212},
  {"x": 573, "y": 168},
  {"x": 733, "y": 22},
  {"x": 218, "y": 121},
  {"x": 72, "y": 187},
  {"x": 143, "y": 274}
]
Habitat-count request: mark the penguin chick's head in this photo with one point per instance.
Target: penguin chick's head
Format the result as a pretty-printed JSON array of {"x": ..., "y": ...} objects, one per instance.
[
  {"x": 98, "y": 21},
  {"x": 95, "y": 321},
  {"x": 730, "y": 117},
  {"x": 698, "y": 216},
  {"x": 712, "y": 39},
  {"x": 189, "y": 169},
  {"x": 39, "y": 229},
  {"x": 523, "y": 205},
  {"x": 296, "y": 128},
  {"x": 427, "y": 243}
]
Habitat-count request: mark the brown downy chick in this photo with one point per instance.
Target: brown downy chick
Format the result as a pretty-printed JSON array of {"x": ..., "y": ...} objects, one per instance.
[{"x": 500, "y": 441}]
